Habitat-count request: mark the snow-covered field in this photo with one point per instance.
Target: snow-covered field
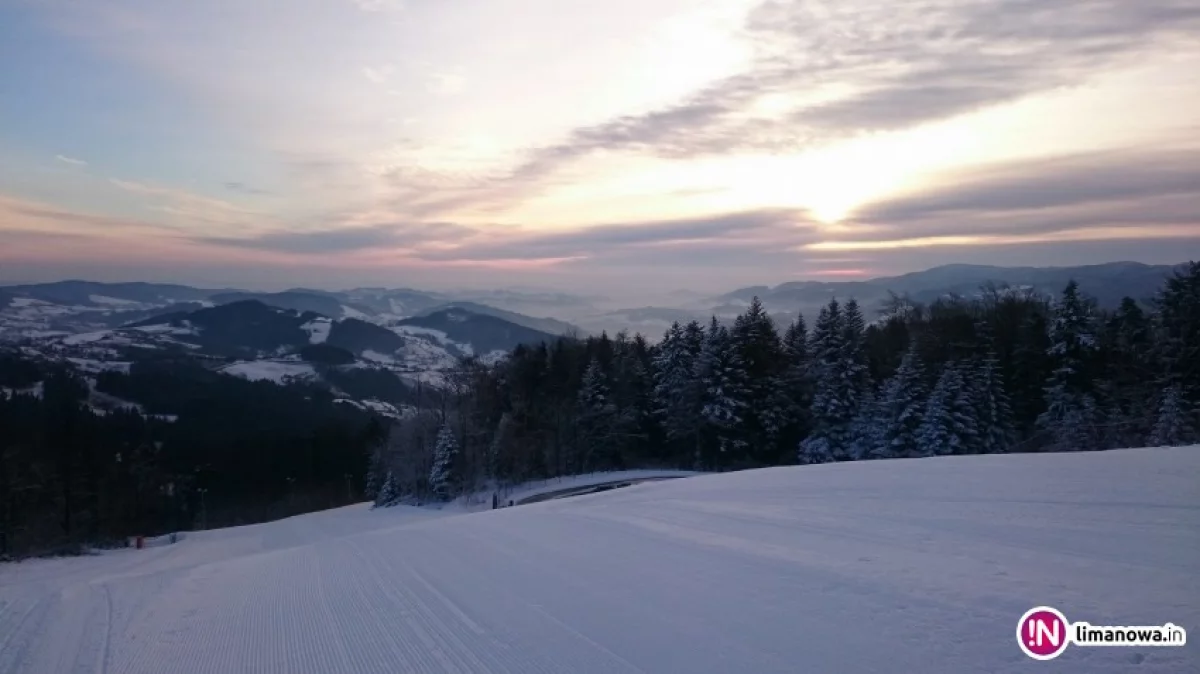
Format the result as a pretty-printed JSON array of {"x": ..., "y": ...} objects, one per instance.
[
  {"x": 890, "y": 566},
  {"x": 271, "y": 370},
  {"x": 318, "y": 330}
]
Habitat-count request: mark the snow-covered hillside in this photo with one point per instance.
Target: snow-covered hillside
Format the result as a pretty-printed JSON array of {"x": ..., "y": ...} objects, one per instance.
[{"x": 886, "y": 566}]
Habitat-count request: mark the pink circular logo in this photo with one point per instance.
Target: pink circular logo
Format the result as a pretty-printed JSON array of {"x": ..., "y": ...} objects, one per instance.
[{"x": 1042, "y": 633}]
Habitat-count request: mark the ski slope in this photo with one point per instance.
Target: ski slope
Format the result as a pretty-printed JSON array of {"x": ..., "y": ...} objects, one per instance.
[{"x": 897, "y": 566}]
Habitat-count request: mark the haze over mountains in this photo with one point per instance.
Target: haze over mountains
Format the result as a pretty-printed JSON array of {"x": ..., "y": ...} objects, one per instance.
[
  {"x": 74, "y": 306},
  {"x": 376, "y": 346}
]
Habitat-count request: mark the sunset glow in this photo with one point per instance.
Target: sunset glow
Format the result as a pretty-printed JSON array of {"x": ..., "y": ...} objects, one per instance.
[{"x": 346, "y": 143}]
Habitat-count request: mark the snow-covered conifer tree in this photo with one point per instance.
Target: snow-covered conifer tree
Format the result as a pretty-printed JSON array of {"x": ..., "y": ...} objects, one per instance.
[
  {"x": 992, "y": 408},
  {"x": 901, "y": 409},
  {"x": 724, "y": 394},
  {"x": 1071, "y": 413},
  {"x": 376, "y": 473},
  {"x": 674, "y": 392},
  {"x": 865, "y": 431},
  {"x": 830, "y": 415},
  {"x": 769, "y": 410},
  {"x": 949, "y": 425},
  {"x": 597, "y": 419},
  {"x": 1175, "y": 424},
  {"x": 389, "y": 492}
]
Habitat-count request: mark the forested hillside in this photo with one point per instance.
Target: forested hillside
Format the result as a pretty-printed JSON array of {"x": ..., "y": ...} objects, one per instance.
[
  {"x": 1006, "y": 371},
  {"x": 195, "y": 449}
]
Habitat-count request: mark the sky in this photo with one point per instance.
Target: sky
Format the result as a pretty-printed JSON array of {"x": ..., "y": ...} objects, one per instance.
[{"x": 626, "y": 146}]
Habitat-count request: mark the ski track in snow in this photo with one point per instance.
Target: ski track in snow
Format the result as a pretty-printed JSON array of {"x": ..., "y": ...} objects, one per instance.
[{"x": 894, "y": 566}]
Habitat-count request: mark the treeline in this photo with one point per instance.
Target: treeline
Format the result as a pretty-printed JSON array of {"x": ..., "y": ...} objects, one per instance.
[
  {"x": 1006, "y": 371},
  {"x": 203, "y": 450}
]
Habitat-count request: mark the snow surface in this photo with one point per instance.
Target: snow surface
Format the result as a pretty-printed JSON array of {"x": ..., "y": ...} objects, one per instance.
[
  {"x": 377, "y": 357},
  {"x": 531, "y": 489},
  {"x": 93, "y": 366},
  {"x": 351, "y": 312},
  {"x": 383, "y": 408},
  {"x": 887, "y": 566},
  {"x": 273, "y": 370},
  {"x": 113, "y": 301},
  {"x": 437, "y": 335},
  {"x": 86, "y": 337},
  {"x": 168, "y": 329},
  {"x": 318, "y": 330}
]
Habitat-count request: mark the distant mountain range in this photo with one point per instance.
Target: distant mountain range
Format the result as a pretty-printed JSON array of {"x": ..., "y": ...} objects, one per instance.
[
  {"x": 1107, "y": 283},
  {"x": 376, "y": 347},
  {"x": 69, "y": 307}
]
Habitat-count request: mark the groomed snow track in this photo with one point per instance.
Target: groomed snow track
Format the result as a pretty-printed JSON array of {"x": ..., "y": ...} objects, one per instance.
[{"x": 899, "y": 566}]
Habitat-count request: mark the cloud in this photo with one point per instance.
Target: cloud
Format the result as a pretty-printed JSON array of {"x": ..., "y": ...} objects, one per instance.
[
  {"x": 194, "y": 207},
  {"x": 379, "y": 75},
  {"x": 901, "y": 65},
  {"x": 347, "y": 239},
  {"x": 1097, "y": 193},
  {"x": 758, "y": 230},
  {"x": 21, "y": 215},
  {"x": 379, "y": 5},
  {"x": 243, "y": 188},
  {"x": 447, "y": 84},
  {"x": 70, "y": 160}
]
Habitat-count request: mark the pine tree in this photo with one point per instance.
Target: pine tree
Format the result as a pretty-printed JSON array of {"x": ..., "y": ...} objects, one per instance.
[
  {"x": 597, "y": 421},
  {"x": 1071, "y": 415},
  {"x": 949, "y": 426},
  {"x": 724, "y": 398},
  {"x": 1175, "y": 425},
  {"x": 443, "y": 478},
  {"x": 901, "y": 409}
]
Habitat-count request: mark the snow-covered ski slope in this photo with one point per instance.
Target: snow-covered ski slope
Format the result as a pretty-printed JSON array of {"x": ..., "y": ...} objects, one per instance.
[{"x": 892, "y": 566}]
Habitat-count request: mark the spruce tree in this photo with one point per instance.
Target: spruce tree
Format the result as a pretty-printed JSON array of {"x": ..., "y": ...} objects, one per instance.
[
  {"x": 674, "y": 390},
  {"x": 761, "y": 354},
  {"x": 836, "y": 389},
  {"x": 693, "y": 338},
  {"x": 376, "y": 473},
  {"x": 865, "y": 431},
  {"x": 992, "y": 408},
  {"x": 724, "y": 398},
  {"x": 901, "y": 409},
  {"x": 795, "y": 383},
  {"x": 389, "y": 492},
  {"x": 1177, "y": 334},
  {"x": 949, "y": 426},
  {"x": 1130, "y": 385},
  {"x": 597, "y": 421},
  {"x": 1071, "y": 415},
  {"x": 443, "y": 479}
]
